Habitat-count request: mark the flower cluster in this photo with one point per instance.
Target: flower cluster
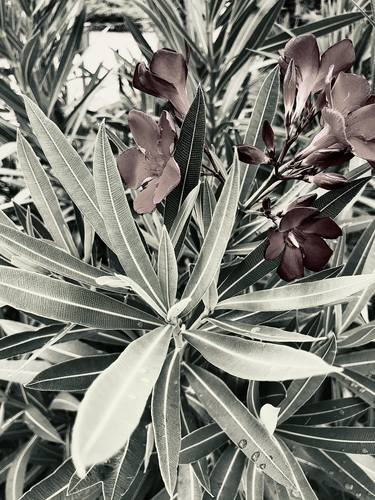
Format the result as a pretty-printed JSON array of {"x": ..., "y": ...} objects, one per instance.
[{"x": 313, "y": 85}]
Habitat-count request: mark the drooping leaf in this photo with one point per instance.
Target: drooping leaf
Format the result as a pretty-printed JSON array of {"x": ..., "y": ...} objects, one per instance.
[
  {"x": 240, "y": 426},
  {"x": 40, "y": 424},
  {"x": 13, "y": 371},
  {"x": 17, "y": 473},
  {"x": 100, "y": 429}
]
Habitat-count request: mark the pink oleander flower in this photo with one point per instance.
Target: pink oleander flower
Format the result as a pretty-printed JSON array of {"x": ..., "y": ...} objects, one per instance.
[
  {"x": 309, "y": 70},
  {"x": 165, "y": 78},
  {"x": 299, "y": 239},
  {"x": 349, "y": 120},
  {"x": 150, "y": 166}
]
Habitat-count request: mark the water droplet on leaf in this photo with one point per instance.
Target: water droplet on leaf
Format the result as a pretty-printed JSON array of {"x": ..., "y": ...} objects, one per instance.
[{"x": 255, "y": 456}]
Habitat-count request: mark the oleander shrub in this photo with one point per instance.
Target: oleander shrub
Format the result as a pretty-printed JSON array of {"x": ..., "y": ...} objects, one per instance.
[{"x": 196, "y": 321}]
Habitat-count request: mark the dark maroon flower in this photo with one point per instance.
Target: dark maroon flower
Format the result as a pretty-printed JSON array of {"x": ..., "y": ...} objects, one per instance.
[
  {"x": 311, "y": 68},
  {"x": 299, "y": 239},
  {"x": 150, "y": 165},
  {"x": 327, "y": 180},
  {"x": 251, "y": 155},
  {"x": 165, "y": 78}
]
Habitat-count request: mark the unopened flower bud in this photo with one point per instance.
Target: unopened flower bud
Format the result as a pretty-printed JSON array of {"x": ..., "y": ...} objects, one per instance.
[
  {"x": 268, "y": 136},
  {"x": 327, "y": 158},
  {"x": 290, "y": 88},
  {"x": 328, "y": 180},
  {"x": 251, "y": 155},
  {"x": 266, "y": 205}
]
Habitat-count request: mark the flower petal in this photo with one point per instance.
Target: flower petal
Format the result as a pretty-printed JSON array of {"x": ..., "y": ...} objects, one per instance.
[
  {"x": 144, "y": 129},
  {"x": 361, "y": 123},
  {"x": 350, "y": 92},
  {"x": 363, "y": 148},
  {"x": 170, "y": 66},
  {"x": 276, "y": 244},
  {"x": 133, "y": 167},
  {"x": 294, "y": 217},
  {"x": 316, "y": 252},
  {"x": 291, "y": 266},
  {"x": 143, "y": 203},
  {"x": 146, "y": 81},
  {"x": 341, "y": 55},
  {"x": 305, "y": 53},
  {"x": 324, "y": 226},
  {"x": 169, "y": 179},
  {"x": 167, "y": 133}
]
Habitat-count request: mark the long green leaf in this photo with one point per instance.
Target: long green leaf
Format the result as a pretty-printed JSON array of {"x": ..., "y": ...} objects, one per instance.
[
  {"x": 72, "y": 375},
  {"x": 201, "y": 443},
  {"x": 100, "y": 429},
  {"x": 300, "y": 296},
  {"x": 67, "y": 166},
  {"x": 253, "y": 360},
  {"x": 167, "y": 268},
  {"x": 165, "y": 411},
  {"x": 121, "y": 228},
  {"x": 188, "y": 155},
  {"x": 62, "y": 301},
  {"x": 215, "y": 242},
  {"x": 44, "y": 196},
  {"x": 48, "y": 256}
]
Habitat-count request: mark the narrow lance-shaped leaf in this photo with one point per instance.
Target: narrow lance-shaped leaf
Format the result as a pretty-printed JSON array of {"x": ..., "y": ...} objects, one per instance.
[
  {"x": 40, "y": 424},
  {"x": 126, "y": 465},
  {"x": 17, "y": 473},
  {"x": 12, "y": 370},
  {"x": 301, "y": 295},
  {"x": 67, "y": 166},
  {"x": 52, "y": 485},
  {"x": 47, "y": 256},
  {"x": 216, "y": 240},
  {"x": 167, "y": 268},
  {"x": 121, "y": 227},
  {"x": 44, "y": 196},
  {"x": 51, "y": 298},
  {"x": 226, "y": 475},
  {"x": 341, "y": 439},
  {"x": 256, "y": 360},
  {"x": 72, "y": 375},
  {"x": 188, "y": 155},
  {"x": 262, "y": 332},
  {"x": 188, "y": 484},
  {"x": 300, "y": 391},
  {"x": 201, "y": 442},
  {"x": 242, "y": 428},
  {"x": 165, "y": 411},
  {"x": 254, "y": 482},
  {"x": 100, "y": 429}
]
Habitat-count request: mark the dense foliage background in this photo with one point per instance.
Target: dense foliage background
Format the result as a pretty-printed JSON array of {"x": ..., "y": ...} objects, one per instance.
[{"x": 160, "y": 355}]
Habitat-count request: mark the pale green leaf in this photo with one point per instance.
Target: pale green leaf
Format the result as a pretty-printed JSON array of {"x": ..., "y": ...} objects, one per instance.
[
  {"x": 167, "y": 268},
  {"x": 300, "y": 295},
  {"x": 100, "y": 428},
  {"x": 252, "y": 360}
]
